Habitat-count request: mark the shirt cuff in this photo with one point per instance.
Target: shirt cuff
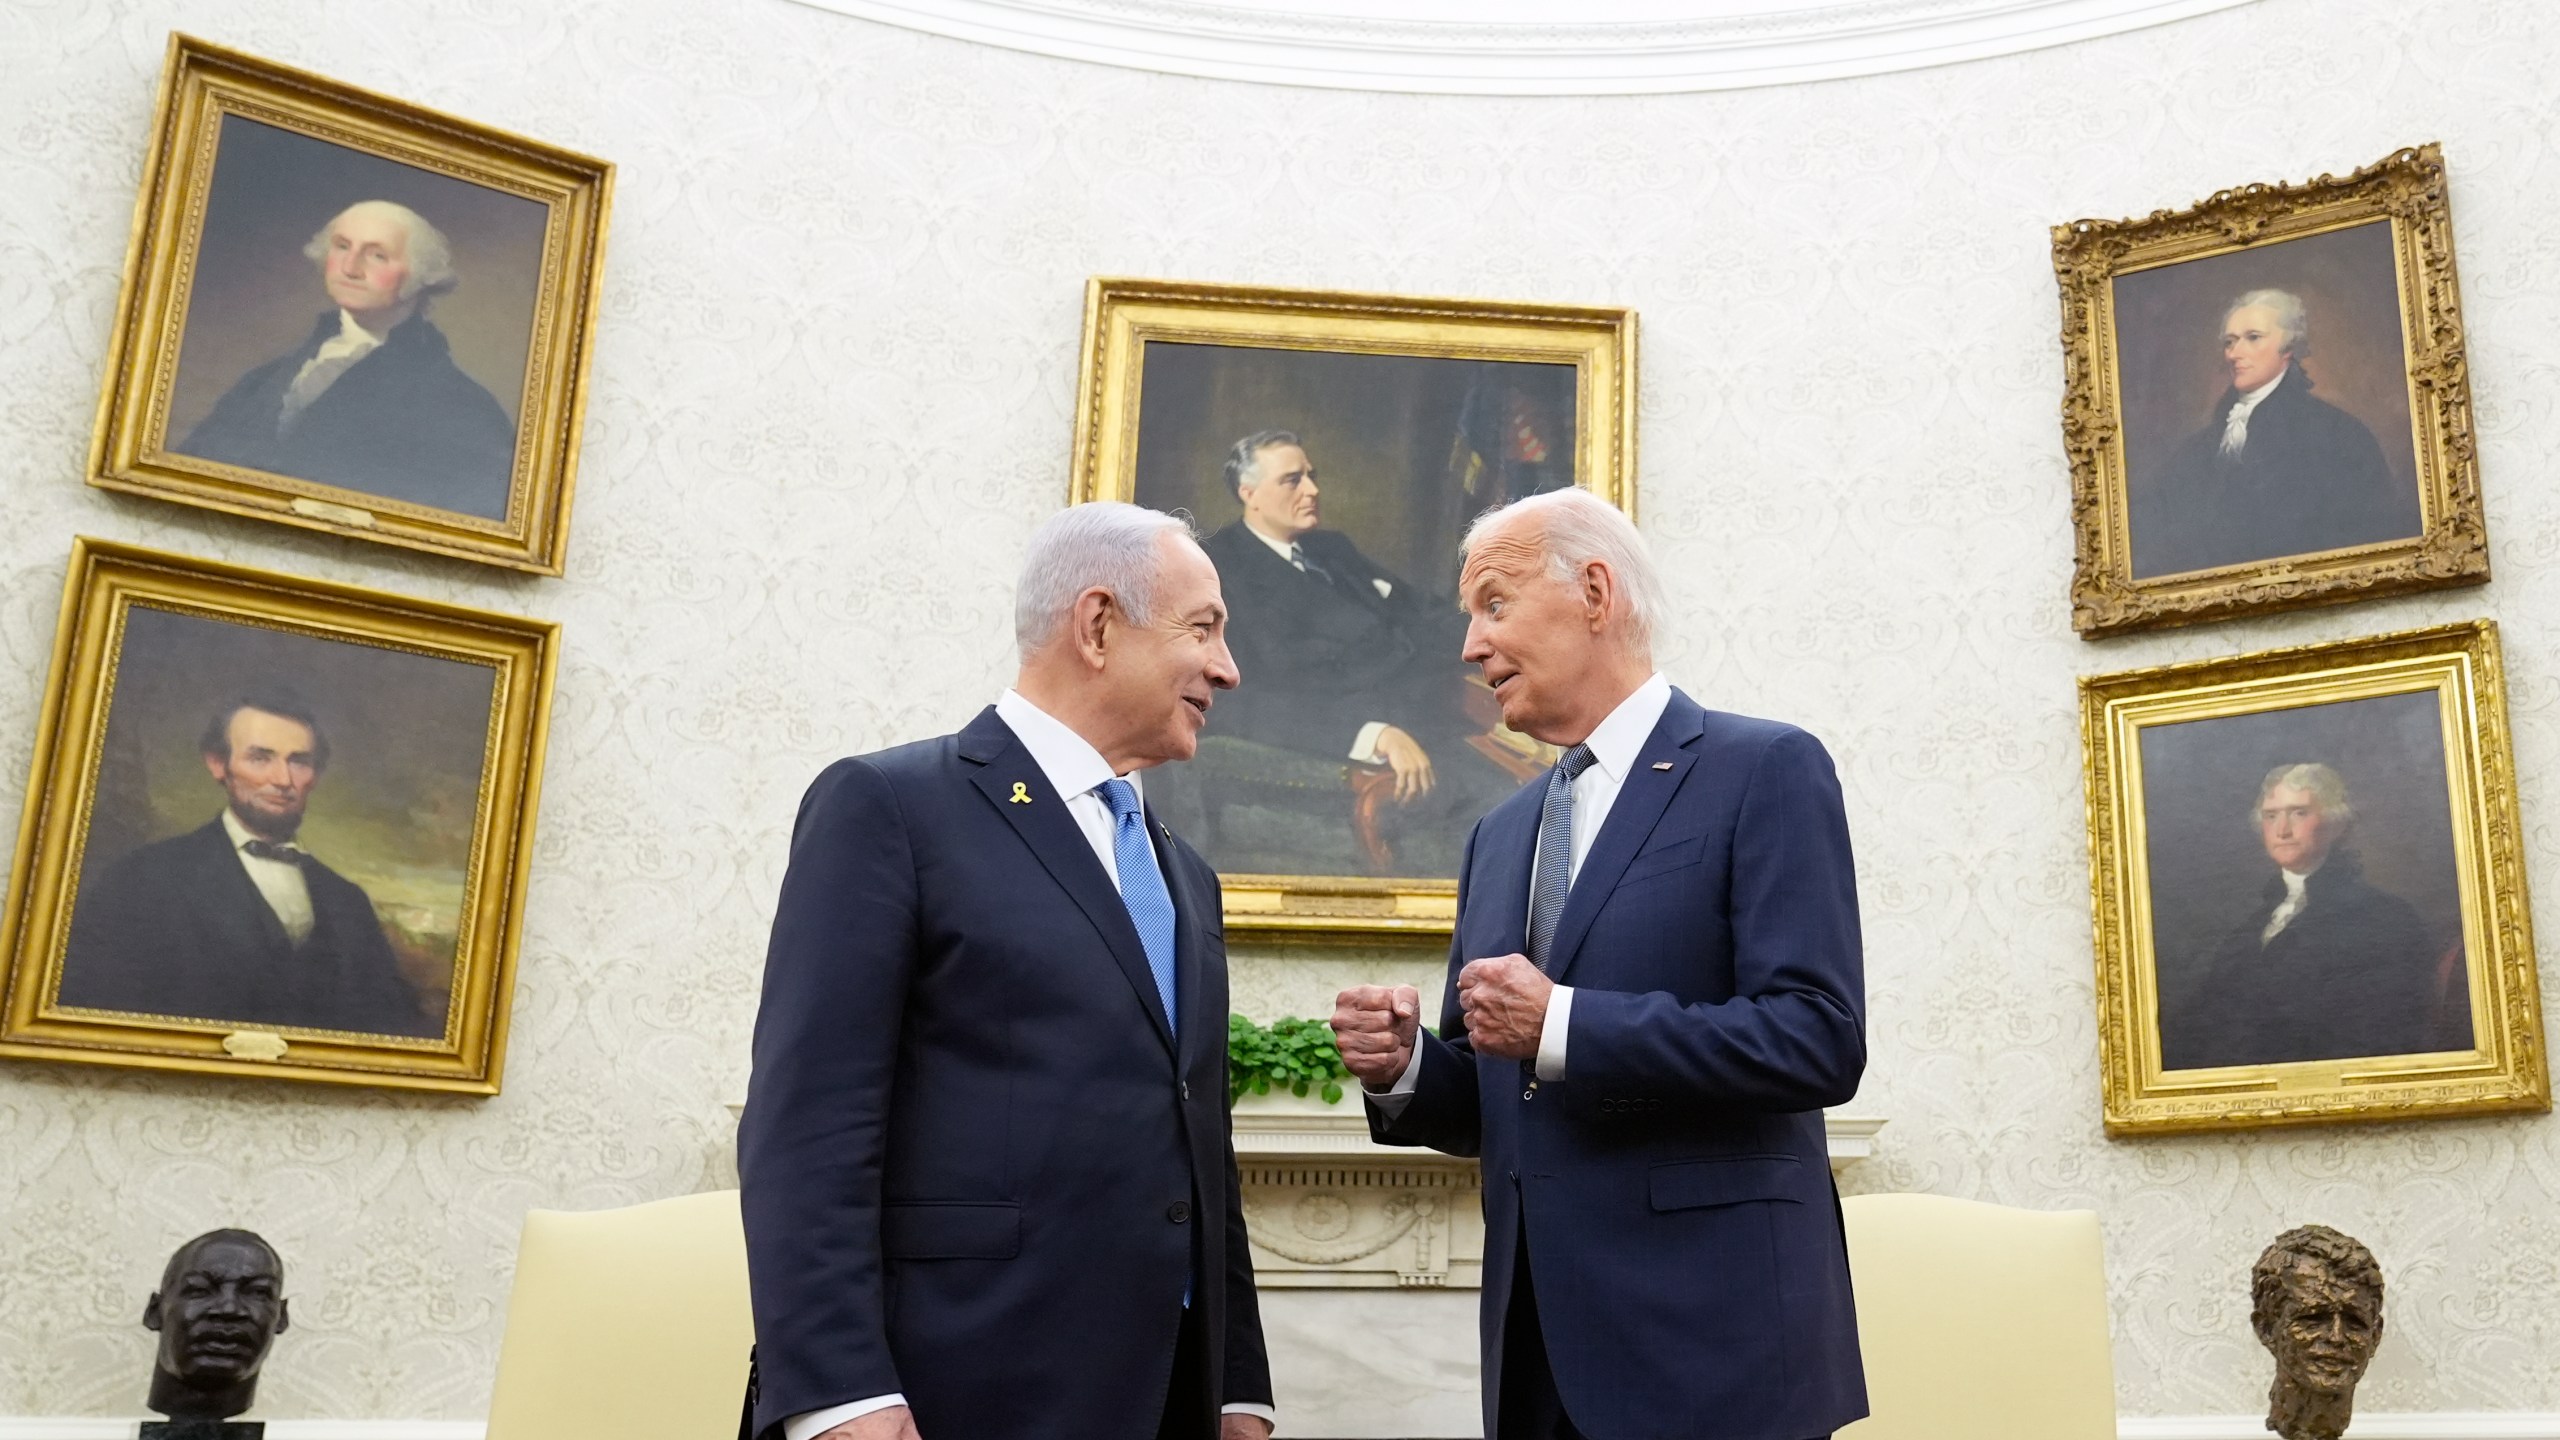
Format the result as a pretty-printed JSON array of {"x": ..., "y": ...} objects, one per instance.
[
  {"x": 1264, "y": 1413},
  {"x": 1364, "y": 746},
  {"x": 819, "y": 1422},
  {"x": 1392, "y": 1100},
  {"x": 1551, "y": 1039}
]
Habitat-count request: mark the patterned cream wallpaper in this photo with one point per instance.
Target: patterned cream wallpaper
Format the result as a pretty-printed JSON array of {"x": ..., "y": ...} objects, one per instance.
[{"x": 832, "y": 395}]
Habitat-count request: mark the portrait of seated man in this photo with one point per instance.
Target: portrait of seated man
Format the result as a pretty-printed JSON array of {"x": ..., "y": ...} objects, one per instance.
[
  {"x": 1346, "y": 662},
  {"x": 371, "y": 398},
  {"x": 2324, "y": 965},
  {"x": 235, "y": 921},
  {"x": 2275, "y": 470}
]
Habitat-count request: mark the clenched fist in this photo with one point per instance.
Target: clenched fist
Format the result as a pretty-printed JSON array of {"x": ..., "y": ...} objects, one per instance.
[
  {"x": 1373, "y": 1027},
  {"x": 1505, "y": 1002}
]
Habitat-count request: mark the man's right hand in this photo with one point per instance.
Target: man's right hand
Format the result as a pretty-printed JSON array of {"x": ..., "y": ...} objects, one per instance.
[
  {"x": 1374, "y": 1028},
  {"x": 1410, "y": 763},
  {"x": 895, "y": 1423}
]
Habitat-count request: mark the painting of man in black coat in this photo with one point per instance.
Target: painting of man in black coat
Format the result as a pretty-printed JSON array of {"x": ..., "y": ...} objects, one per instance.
[
  {"x": 2276, "y": 470},
  {"x": 2323, "y": 965},
  {"x": 235, "y": 921},
  {"x": 371, "y": 399},
  {"x": 1349, "y": 665}
]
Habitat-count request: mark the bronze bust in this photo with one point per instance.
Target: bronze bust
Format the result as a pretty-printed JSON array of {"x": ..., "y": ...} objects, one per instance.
[
  {"x": 219, "y": 1307},
  {"x": 2315, "y": 1299}
]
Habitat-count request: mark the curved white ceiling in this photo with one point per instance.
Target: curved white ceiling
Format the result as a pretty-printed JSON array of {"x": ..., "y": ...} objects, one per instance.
[{"x": 1524, "y": 47}]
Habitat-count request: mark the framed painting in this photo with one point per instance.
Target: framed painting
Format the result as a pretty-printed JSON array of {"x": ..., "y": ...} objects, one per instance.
[
  {"x": 2309, "y": 884},
  {"x": 1331, "y": 448},
  {"x": 347, "y": 313},
  {"x": 275, "y": 827},
  {"x": 2266, "y": 401}
]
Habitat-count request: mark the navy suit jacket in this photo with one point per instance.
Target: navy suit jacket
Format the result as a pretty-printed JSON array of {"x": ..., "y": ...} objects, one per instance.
[
  {"x": 976, "y": 1166},
  {"x": 1692, "y": 1278}
]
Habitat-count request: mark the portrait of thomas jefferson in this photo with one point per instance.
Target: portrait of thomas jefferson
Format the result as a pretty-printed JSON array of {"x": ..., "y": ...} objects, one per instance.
[
  {"x": 371, "y": 399},
  {"x": 2322, "y": 964},
  {"x": 237, "y": 920}
]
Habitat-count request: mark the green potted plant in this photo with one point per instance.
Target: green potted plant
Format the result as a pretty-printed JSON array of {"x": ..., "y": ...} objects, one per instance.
[{"x": 1288, "y": 1064}]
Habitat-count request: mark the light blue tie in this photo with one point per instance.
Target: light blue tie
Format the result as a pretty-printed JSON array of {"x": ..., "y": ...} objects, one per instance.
[
  {"x": 1142, "y": 887},
  {"x": 1555, "y": 853}
]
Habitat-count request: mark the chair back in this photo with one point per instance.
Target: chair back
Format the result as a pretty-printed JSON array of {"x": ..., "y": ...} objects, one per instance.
[
  {"x": 627, "y": 1324},
  {"x": 1979, "y": 1322}
]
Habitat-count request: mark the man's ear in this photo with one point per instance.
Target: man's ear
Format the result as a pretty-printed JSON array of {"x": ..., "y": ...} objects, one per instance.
[
  {"x": 1599, "y": 587},
  {"x": 284, "y": 1316},
  {"x": 216, "y": 768},
  {"x": 151, "y": 1312},
  {"x": 1090, "y": 624}
]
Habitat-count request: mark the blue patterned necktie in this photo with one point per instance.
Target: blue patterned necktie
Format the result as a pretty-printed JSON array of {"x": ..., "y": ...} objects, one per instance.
[
  {"x": 1142, "y": 887},
  {"x": 1555, "y": 853}
]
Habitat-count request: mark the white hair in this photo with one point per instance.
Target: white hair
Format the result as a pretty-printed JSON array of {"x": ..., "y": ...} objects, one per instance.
[
  {"x": 1579, "y": 528},
  {"x": 2326, "y": 788},
  {"x": 430, "y": 255},
  {"x": 1103, "y": 545},
  {"x": 2291, "y": 318}
]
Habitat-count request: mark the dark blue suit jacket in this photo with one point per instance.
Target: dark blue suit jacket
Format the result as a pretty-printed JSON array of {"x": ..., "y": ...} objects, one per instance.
[
  {"x": 976, "y": 1167},
  {"x": 1692, "y": 1278}
]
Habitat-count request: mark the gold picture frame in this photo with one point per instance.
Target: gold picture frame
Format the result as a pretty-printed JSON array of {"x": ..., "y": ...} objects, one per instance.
[
  {"x": 136, "y": 933},
  {"x": 222, "y": 392},
  {"x": 2237, "y": 987},
  {"x": 1432, "y": 409},
  {"x": 2183, "y": 514}
]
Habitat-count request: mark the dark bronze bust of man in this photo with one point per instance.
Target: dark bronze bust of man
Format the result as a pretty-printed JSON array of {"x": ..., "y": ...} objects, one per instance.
[
  {"x": 2315, "y": 1299},
  {"x": 219, "y": 1307}
]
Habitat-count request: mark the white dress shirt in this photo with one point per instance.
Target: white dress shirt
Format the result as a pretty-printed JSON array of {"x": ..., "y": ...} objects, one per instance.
[
  {"x": 1364, "y": 746},
  {"x": 1075, "y": 770},
  {"x": 286, "y": 888},
  {"x": 2295, "y": 898},
  {"x": 2235, "y": 427},
  {"x": 337, "y": 355},
  {"x": 1614, "y": 748}
]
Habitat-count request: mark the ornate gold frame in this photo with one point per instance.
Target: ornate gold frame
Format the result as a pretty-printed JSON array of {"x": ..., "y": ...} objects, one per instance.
[
  {"x": 106, "y": 581},
  {"x": 204, "y": 82},
  {"x": 1122, "y": 315},
  {"x": 2409, "y": 189},
  {"x": 2507, "y": 1071}
]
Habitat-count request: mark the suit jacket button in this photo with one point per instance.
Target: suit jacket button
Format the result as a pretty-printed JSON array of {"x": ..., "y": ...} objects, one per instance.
[{"x": 1178, "y": 1212}]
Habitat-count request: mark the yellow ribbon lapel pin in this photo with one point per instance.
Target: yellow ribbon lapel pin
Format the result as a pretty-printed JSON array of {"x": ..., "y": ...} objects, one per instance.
[{"x": 1021, "y": 794}]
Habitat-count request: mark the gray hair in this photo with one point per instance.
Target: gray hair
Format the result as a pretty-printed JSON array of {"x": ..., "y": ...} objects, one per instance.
[
  {"x": 2291, "y": 318},
  {"x": 430, "y": 254},
  {"x": 1241, "y": 455},
  {"x": 1102, "y": 545},
  {"x": 1580, "y": 528},
  {"x": 2327, "y": 790}
]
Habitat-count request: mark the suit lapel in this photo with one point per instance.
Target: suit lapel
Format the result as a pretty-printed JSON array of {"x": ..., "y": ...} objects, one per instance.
[
  {"x": 243, "y": 903},
  {"x": 1638, "y": 809},
  {"x": 1504, "y": 850},
  {"x": 1190, "y": 949},
  {"x": 1059, "y": 844}
]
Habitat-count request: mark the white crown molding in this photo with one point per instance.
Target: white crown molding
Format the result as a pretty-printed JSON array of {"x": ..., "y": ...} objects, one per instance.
[
  {"x": 39, "y": 1428},
  {"x": 2449, "y": 1425},
  {"x": 1295, "y": 42}
]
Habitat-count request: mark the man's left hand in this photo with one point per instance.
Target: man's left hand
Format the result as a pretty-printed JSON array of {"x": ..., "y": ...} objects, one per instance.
[
  {"x": 1505, "y": 1002},
  {"x": 1243, "y": 1427}
]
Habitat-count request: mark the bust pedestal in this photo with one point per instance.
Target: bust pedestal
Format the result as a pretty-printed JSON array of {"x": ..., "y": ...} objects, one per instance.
[{"x": 204, "y": 1430}]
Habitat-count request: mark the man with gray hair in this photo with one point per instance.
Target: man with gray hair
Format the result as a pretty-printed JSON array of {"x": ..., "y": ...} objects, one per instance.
[
  {"x": 2276, "y": 471},
  {"x": 2324, "y": 966},
  {"x": 1656, "y": 986},
  {"x": 985, "y": 1168},
  {"x": 371, "y": 400}
]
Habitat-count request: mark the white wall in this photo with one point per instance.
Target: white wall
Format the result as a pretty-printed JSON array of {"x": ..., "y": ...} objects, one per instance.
[{"x": 832, "y": 395}]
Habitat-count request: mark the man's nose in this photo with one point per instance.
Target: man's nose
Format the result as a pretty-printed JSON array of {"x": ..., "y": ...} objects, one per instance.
[
  {"x": 1477, "y": 649},
  {"x": 1222, "y": 667}
]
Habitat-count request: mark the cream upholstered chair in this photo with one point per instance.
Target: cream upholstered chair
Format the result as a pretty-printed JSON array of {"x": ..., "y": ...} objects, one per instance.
[
  {"x": 627, "y": 1324},
  {"x": 1979, "y": 1322}
]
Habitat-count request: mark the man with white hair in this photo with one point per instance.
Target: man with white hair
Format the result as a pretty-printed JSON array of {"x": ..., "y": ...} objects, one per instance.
[
  {"x": 371, "y": 399},
  {"x": 2323, "y": 965},
  {"x": 2277, "y": 471},
  {"x": 985, "y": 1167},
  {"x": 1656, "y": 986}
]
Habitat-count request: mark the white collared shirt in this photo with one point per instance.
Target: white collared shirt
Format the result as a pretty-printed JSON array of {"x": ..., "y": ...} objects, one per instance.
[
  {"x": 1075, "y": 770},
  {"x": 337, "y": 355},
  {"x": 2235, "y": 427},
  {"x": 286, "y": 889},
  {"x": 2295, "y": 898},
  {"x": 1615, "y": 743}
]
